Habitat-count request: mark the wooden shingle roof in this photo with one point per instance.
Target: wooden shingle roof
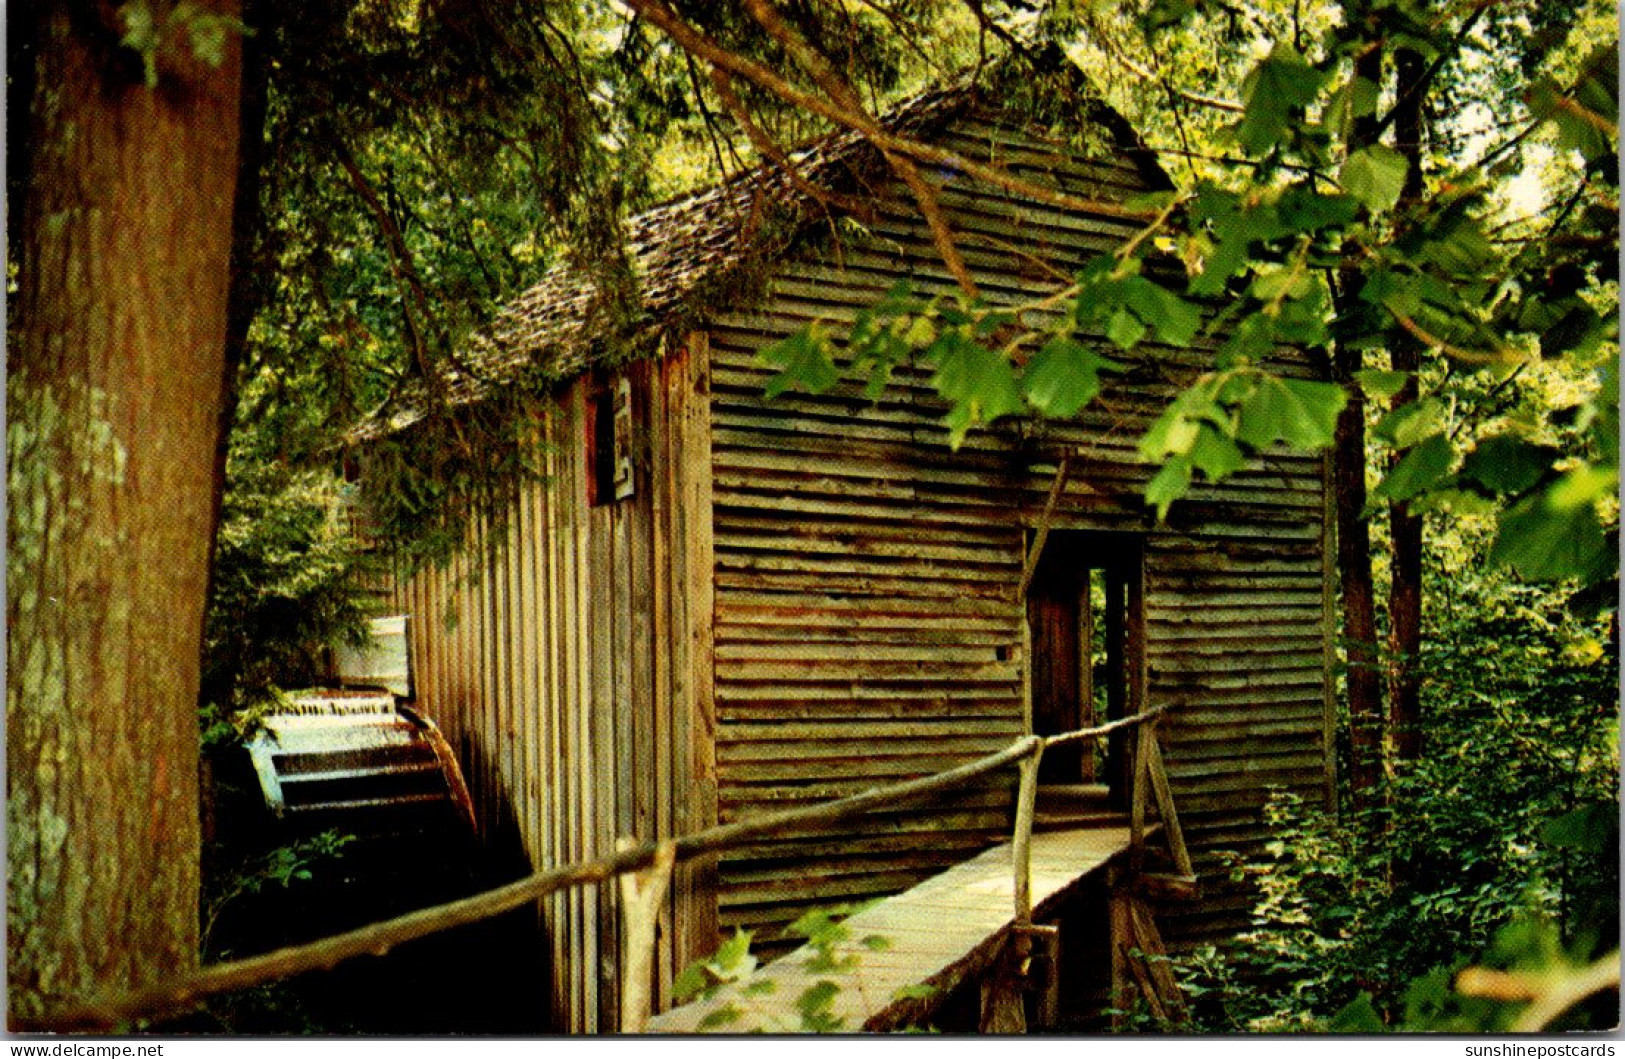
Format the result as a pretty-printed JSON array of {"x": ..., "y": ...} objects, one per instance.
[
  {"x": 675, "y": 249},
  {"x": 697, "y": 242}
]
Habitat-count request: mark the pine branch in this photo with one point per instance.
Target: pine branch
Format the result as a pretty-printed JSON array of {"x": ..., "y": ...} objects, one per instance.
[
  {"x": 770, "y": 150},
  {"x": 925, "y": 196},
  {"x": 699, "y": 44}
]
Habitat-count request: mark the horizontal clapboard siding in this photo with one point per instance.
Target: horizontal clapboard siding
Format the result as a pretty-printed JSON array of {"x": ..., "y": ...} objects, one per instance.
[{"x": 867, "y": 626}]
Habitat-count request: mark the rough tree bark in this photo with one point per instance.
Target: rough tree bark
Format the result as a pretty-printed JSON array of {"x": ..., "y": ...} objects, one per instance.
[
  {"x": 115, "y": 377},
  {"x": 1353, "y": 534},
  {"x": 1405, "y": 353}
]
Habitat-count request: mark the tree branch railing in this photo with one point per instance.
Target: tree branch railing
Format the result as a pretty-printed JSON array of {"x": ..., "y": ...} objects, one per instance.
[{"x": 177, "y": 996}]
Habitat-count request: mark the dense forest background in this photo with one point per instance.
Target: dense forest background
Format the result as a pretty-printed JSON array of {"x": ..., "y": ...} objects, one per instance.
[{"x": 236, "y": 231}]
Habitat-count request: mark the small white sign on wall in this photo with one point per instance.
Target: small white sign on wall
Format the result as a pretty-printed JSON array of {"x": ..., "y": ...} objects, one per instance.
[{"x": 622, "y": 478}]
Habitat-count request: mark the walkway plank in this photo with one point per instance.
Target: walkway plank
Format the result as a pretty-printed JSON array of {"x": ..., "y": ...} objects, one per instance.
[{"x": 941, "y": 932}]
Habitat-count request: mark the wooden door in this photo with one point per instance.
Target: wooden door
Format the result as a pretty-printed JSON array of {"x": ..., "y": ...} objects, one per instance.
[{"x": 1083, "y": 612}]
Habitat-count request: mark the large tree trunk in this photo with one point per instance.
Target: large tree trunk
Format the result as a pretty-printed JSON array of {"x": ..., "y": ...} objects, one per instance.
[
  {"x": 113, "y": 400},
  {"x": 1405, "y": 353},
  {"x": 1353, "y": 534}
]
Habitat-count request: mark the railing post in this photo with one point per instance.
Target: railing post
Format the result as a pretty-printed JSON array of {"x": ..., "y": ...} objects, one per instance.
[
  {"x": 1002, "y": 1006},
  {"x": 641, "y": 895},
  {"x": 1022, "y": 844}
]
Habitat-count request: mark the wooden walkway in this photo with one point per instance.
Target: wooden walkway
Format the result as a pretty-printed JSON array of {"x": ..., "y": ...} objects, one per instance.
[{"x": 940, "y": 933}]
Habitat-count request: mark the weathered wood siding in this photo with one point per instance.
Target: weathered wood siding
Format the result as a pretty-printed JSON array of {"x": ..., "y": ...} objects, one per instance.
[
  {"x": 811, "y": 595},
  {"x": 867, "y": 620},
  {"x": 559, "y": 659}
]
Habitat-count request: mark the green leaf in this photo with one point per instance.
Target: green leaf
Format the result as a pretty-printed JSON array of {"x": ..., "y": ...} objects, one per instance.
[
  {"x": 897, "y": 300},
  {"x": 1151, "y": 201},
  {"x": 818, "y": 926},
  {"x": 814, "y": 1003},
  {"x": 1418, "y": 470},
  {"x": 1394, "y": 290},
  {"x": 1577, "y": 123},
  {"x": 1410, "y": 423},
  {"x": 1547, "y": 543},
  {"x": 1175, "y": 319},
  {"x": 726, "y": 1015},
  {"x": 1605, "y": 414},
  {"x": 1577, "y": 331},
  {"x": 1172, "y": 433},
  {"x": 760, "y": 987},
  {"x": 1303, "y": 209},
  {"x": 1380, "y": 383},
  {"x": 1376, "y": 176},
  {"x": 141, "y": 35},
  {"x": 878, "y": 341},
  {"x": 804, "y": 359},
  {"x": 1282, "y": 82},
  {"x": 978, "y": 381},
  {"x": 1233, "y": 234},
  {"x": 1125, "y": 329},
  {"x": 1305, "y": 318},
  {"x": 1216, "y": 455},
  {"x": 1428, "y": 997},
  {"x": 208, "y": 32},
  {"x": 876, "y": 942},
  {"x": 1212, "y": 202},
  {"x": 1169, "y": 484},
  {"x": 1278, "y": 283},
  {"x": 1455, "y": 501},
  {"x": 734, "y": 955},
  {"x": 1584, "y": 485},
  {"x": 1589, "y": 829},
  {"x": 1161, "y": 14},
  {"x": 1358, "y": 1016},
  {"x": 1506, "y": 465},
  {"x": 1460, "y": 247},
  {"x": 1300, "y": 412},
  {"x": 921, "y": 332},
  {"x": 824, "y": 961},
  {"x": 1175, "y": 430},
  {"x": 1251, "y": 340},
  {"x": 1356, "y": 99},
  {"x": 915, "y": 992},
  {"x": 1064, "y": 376}
]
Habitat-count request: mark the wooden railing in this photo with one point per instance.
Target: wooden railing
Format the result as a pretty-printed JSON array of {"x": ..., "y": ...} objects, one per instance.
[{"x": 647, "y": 868}]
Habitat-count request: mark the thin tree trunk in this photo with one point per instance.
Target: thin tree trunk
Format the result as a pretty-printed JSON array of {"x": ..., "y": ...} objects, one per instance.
[
  {"x": 1405, "y": 588},
  {"x": 1359, "y": 596},
  {"x": 113, "y": 399},
  {"x": 1354, "y": 535}
]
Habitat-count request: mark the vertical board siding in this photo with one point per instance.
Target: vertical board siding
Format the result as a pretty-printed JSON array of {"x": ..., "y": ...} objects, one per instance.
[
  {"x": 867, "y": 627},
  {"x": 545, "y": 652}
]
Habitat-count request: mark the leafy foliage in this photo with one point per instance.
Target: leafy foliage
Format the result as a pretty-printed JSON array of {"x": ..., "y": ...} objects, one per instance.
[
  {"x": 833, "y": 955},
  {"x": 281, "y": 867},
  {"x": 1501, "y": 840},
  {"x": 289, "y": 582},
  {"x": 1326, "y": 239}
]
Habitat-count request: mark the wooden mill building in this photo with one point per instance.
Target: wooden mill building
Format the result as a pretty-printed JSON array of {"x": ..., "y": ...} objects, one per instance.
[{"x": 719, "y": 603}]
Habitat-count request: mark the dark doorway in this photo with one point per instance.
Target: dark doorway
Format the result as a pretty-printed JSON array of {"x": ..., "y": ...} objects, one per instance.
[{"x": 1084, "y": 611}]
